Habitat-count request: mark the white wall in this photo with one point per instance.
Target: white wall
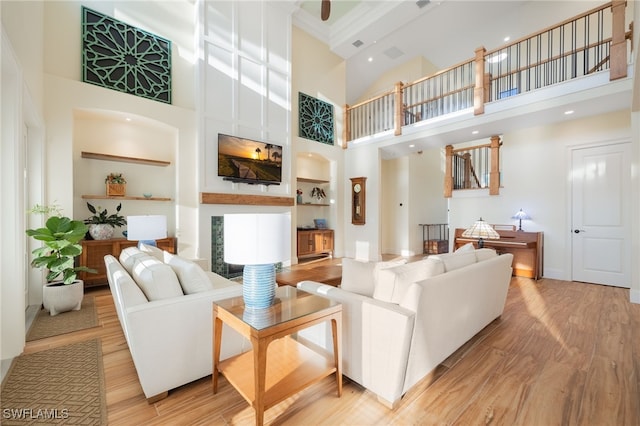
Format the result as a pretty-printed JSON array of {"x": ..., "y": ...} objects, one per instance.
[{"x": 395, "y": 207}]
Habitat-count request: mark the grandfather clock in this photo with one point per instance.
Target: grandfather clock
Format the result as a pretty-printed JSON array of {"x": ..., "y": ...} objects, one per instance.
[{"x": 358, "y": 203}]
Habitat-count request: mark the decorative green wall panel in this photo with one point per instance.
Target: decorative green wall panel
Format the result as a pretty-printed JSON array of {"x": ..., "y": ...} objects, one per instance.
[
  {"x": 118, "y": 56},
  {"x": 315, "y": 119}
]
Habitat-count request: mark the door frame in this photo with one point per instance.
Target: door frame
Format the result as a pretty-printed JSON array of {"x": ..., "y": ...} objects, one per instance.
[{"x": 569, "y": 197}]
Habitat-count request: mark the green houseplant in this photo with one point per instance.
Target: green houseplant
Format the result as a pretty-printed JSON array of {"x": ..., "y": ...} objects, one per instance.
[
  {"x": 60, "y": 237},
  {"x": 102, "y": 224}
]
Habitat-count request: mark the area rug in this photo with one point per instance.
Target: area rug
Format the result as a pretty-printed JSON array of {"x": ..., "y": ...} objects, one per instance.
[
  {"x": 45, "y": 325},
  {"x": 62, "y": 385}
]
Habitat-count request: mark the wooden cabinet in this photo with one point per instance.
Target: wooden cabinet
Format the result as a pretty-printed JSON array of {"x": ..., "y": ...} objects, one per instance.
[
  {"x": 526, "y": 247},
  {"x": 315, "y": 242},
  {"x": 94, "y": 251}
]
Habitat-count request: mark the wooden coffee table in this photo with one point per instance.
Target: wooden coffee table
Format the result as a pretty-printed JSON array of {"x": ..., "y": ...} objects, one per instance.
[
  {"x": 291, "y": 366},
  {"x": 327, "y": 274}
]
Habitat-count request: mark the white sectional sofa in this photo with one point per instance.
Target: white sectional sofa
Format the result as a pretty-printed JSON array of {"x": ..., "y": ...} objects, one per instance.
[
  {"x": 164, "y": 304},
  {"x": 400, "y": 321}
]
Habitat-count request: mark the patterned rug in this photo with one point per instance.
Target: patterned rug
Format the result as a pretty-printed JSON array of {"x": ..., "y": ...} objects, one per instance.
[
  {"x": 45, "y": 325},
  {"x": 63, "y": 385}
]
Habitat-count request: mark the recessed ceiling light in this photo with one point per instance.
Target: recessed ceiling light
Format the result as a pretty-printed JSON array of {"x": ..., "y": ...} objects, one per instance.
[
  {"x": 507, "y": 38},
  {"x": 412, "y": 146},
  {"x": 475, "y": 132},
  {"x": 569, "y": 112},
  {"x": 370, "y": 59}
]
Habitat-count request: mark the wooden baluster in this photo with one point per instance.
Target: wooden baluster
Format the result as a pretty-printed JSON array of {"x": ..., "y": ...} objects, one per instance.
[
  {"x": 618, "y": 66},
  {"x": 494, "y": 175},
  {"x": 478, "y": 91},
  {"x": 448, "y": 172}
]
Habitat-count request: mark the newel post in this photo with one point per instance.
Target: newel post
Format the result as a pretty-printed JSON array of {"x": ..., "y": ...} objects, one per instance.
[
  {"x": 448, "y": 171},
  {"x": 618, "y": 66},
  {"x": 479, "y": 90},
  {"x": 494, "y": 175},
  {"x": 399, "y": 109},
  {"x": 346, "y": 128}
]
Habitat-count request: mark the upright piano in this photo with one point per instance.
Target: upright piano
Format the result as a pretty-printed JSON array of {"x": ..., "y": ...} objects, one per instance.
[{"x": 526, "y": 247}]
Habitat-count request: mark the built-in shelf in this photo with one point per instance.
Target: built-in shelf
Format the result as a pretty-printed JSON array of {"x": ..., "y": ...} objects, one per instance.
[
  {"x": 119, "y": 158},
  {"x": 309, "y": 180},
  {"x": 314, "y": 204},
  {"x": 114, "y": 197}
]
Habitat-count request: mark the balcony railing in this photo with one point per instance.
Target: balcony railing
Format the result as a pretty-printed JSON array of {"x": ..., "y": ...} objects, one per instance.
[{"x": 592, "y": 42}]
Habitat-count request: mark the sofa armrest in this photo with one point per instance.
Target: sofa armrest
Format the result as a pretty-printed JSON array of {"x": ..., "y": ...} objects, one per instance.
[
  {"x": 174, "y": 336},
  {"x": 376, "y": 337}
]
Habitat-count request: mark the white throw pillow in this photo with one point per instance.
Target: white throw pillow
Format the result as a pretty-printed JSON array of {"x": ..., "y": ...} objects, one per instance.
[
  {"x": 152, "y": 250},
  {"x": 193, "y": 279},
  {"x": 456, "y": 260},
  {"x": 485, "y": 253},
  {"x": 465, "y": 248},
  {"x": 381, "y": 266},
  {"x": 357, "y": 276},
  {"x": 395, "y": 282},
  {"x": 128, "y": 257},
  {"x": 156, "y": 279}
]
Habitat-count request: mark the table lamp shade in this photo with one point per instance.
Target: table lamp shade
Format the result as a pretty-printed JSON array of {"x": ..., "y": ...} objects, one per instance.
[
  {"x": 520, "y": 215},
  {"x": 146, "y": 228},
  {"x": 481, "y": 230},
  {"x": 257, "y": 241}
]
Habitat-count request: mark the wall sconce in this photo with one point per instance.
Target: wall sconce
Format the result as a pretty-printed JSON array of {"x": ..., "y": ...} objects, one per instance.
[{"x": 520, "y": 215}]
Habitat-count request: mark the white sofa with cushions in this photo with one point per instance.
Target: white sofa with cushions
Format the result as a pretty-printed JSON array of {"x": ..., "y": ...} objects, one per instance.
[
  {"x": 164, "y": 304},
  {"x": 401, "y": 321}
]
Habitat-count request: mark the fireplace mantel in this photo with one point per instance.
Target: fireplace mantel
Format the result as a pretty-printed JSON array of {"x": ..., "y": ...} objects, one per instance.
[{"x": 245, "y": 199}]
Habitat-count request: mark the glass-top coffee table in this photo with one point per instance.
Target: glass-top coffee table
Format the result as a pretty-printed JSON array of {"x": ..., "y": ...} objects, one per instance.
[{"x": 290, "y": 366}]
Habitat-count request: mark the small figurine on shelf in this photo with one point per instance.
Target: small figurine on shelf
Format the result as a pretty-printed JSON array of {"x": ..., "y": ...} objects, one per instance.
[
  {"x": 318, "y": 193},
  {"x": 116, "y": 185},
  {"x": 299, "y": 196}
]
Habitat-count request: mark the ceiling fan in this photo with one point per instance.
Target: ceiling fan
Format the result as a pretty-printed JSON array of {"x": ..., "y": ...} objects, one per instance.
[{"x": 325, "y": 11}]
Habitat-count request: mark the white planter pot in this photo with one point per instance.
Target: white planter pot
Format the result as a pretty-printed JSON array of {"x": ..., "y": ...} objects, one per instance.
[
  {"x": 58, "y": 297},
  {"x": 101, "y": 231}
]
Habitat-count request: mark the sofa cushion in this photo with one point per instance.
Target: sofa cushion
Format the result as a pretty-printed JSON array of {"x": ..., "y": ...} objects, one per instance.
[
  {"x": 193, "y": 279},
  {"x": 466, "y": 248},
  {"x": 157, "y": 280},
  {"x": 129, "y": 255},
  {"x": 152, "y": 250},
  {"x": 394, "y": 282},
  {"x": 361, "y": 277}
]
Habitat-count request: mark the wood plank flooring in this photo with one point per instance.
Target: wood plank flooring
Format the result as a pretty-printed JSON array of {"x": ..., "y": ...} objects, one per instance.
[{"x": 563, "y": 353}]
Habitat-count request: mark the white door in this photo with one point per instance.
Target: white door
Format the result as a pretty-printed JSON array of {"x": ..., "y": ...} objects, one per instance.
[{"x": 600, "y": 229}]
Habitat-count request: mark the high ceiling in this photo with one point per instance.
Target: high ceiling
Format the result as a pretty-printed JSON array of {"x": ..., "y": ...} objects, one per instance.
[{"x": 444, "y": 32}]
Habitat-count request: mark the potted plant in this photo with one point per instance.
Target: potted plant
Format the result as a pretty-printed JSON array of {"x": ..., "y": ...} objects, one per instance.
[
  {"x": 60, "y": 237},
  {"x": 116, "y": 185},
  {"x": 102, "y": 224}
]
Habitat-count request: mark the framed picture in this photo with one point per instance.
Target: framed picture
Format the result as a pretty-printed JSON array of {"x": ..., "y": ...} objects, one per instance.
[{"x": 320, "y": 223}]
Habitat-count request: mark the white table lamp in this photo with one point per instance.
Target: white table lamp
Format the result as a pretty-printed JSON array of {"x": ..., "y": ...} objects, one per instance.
[
  {"x": 257, "y": 241},
  {"x": 146, "y": 229}
]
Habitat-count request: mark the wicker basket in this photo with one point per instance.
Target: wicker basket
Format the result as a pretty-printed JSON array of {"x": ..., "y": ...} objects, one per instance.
[{"x": 116, "y": 189}]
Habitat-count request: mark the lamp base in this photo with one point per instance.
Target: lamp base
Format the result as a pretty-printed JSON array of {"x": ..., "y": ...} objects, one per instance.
[
  {"x": 258, "y": 286},
  {"x": 147, "y": 243},
  {"x": 480, "y": 243}
]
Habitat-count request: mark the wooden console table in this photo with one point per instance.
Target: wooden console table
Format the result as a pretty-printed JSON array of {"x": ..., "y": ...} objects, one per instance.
[
  {"x": 527, "y": 249},
  {"x": 94, "y": 251},
  {"x": 291, "y": 366}
]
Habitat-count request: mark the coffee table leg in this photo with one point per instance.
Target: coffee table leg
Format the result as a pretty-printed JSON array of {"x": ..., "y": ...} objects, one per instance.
[
  {"x": 260, "y": 376},
  {"x": 217, "y": 340},
  {"x": 336, "y": 327}
]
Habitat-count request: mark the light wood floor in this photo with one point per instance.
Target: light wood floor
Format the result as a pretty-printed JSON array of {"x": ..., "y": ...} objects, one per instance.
[{"x": 563, "y": 353}]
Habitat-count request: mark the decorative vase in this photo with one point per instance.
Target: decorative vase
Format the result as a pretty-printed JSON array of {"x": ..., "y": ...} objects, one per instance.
[
  {"x": 58, "y": 297},
  {"x": 299, "y": 199},
  {"x": 101, "y": 231}
]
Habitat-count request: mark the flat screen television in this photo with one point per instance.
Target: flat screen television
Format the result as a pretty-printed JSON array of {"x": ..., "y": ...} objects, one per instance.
[{"x": 249, "y": 161}]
